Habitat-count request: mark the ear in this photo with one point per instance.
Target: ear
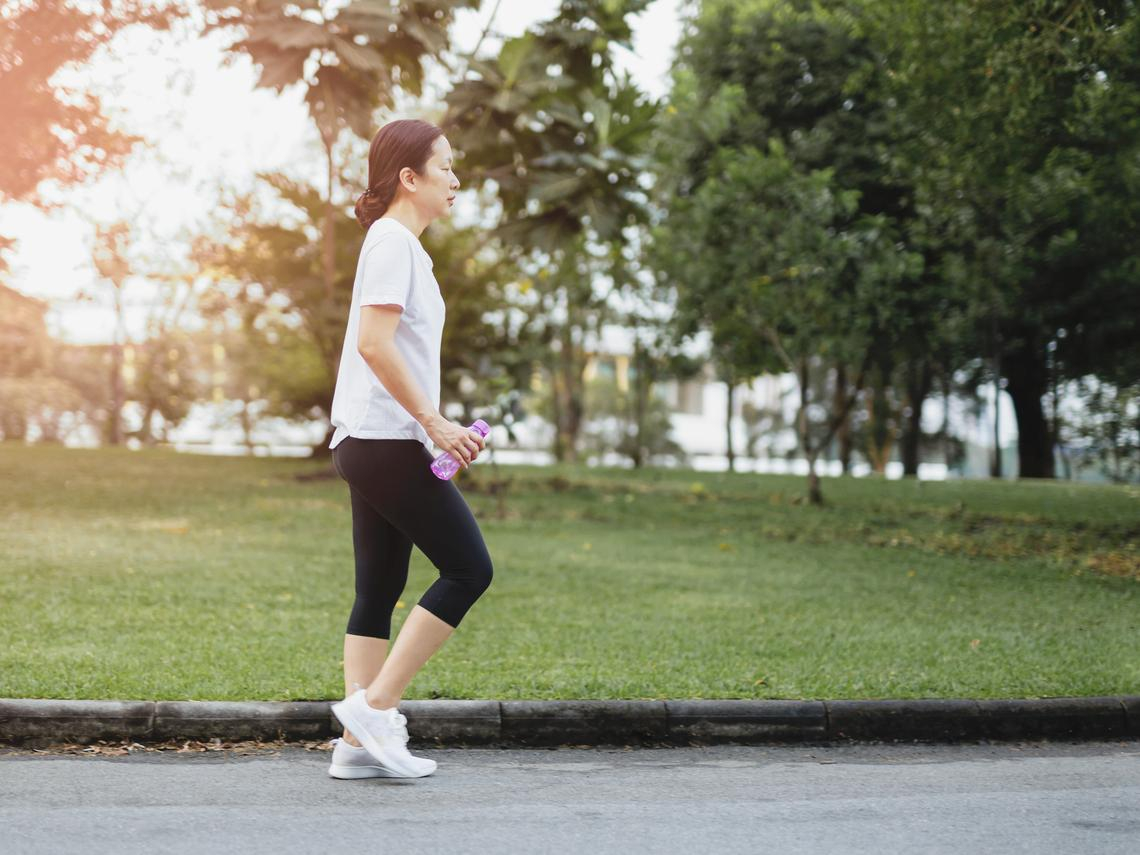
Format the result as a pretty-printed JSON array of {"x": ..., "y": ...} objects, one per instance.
[{"x": 408, "y": 178}]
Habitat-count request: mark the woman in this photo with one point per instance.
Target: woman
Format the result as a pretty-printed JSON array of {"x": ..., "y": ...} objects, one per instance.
[{"x": 386, "y": 416}]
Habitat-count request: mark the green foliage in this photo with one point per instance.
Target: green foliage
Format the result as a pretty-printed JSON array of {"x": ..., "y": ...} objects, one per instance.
[
  {"x": 489, "y": 347},
  {"x": 780, "y": 233},
  {"x": 44, "y": 401},
  {"x": 271, "y": 294},
  {"x": 49, "y": 132},
  {"x": 981, "y": 159},
  {"x": 165, "y": 381},
  {"x": 1109, "y": 428},
  {"x": 1030, "y": 118},
  {"x": 269, "y": 282},
  {"x": 362, "y": 53},
  {"x": 351, "y": 62},
  {"x": 614, "y": 408},
  {"x": 561, "y": 139}
]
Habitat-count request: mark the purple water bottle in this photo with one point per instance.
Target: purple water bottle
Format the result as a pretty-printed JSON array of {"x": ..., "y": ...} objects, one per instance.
[{"x": 445, "y": 465}]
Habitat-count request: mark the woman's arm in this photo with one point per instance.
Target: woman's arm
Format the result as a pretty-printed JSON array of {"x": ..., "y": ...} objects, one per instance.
[{"x": 377, "y": 345}]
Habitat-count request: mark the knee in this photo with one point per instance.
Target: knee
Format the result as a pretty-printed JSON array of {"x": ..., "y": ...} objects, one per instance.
[{"x": 481, "y": 574}]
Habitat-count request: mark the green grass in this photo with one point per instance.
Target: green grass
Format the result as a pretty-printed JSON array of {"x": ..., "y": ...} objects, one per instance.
[{"x": 154, "y": 575}]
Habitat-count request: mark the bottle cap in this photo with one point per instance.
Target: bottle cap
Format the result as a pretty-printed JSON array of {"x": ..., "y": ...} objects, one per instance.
[{"x": 481, "y": 426}]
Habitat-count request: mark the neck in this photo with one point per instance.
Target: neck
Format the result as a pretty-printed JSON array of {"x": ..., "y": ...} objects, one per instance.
[{"x": 405, "y": 213}]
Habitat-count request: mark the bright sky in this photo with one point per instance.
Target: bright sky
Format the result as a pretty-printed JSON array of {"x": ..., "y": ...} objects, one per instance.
[{"x": 211, "y": 128}]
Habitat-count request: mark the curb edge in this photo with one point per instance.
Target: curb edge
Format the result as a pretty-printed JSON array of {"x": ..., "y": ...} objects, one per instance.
[{"x": 459, "y": 722}]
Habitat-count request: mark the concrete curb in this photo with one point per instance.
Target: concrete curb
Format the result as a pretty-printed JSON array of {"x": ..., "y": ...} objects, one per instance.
[{"x": 587, "y": 722}]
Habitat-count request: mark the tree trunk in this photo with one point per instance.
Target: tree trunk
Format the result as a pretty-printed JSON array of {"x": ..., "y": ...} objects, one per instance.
[
  {"x": 13, "y": 423},
  {"x": 321, "y": 449},
  {"x": 995, "y": 464},
  {"x": 556, "y": 409},
  {"x": 1055, "y": 422},
  {"x": 1028, "y": 381},
  {"x": 815, "y": 494},
  {"x": 327, "y": 343},
  {"x": 114, "y": 427},
  {"x": 947, "y": 455},
  {"x": 843, "y": 432},
  {"x": 146, "y": 434},
  {"x": 570, "y": 407},
  {"x": 640, "y": 403},
  {"x": 880, "y": 441},
  {"x": 728, "y": 427},
  {"x": 115, "y": 420},
  {"x": 919, "y": 379},
  {"x": 247, "y": 427},
  {"x": 148, "y": 373}
]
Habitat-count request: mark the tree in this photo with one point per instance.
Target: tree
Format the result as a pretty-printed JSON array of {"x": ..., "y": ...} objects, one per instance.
[
  {"x": 778, "y": 233},
  {"x": 269, "y": 285},
  {"x": 632, "y": 421},
  {"x": 55, "y": 132},
  {"x": 351, "y": 61},
  {"x": 1030, "y": 147},
  {"x": 52, "y": 131},
  {"x": 778, "y": 249},
  {"x": 489, "y": 346},
  {"x": 1109, "y": 429},
  {"x": 560, "y": 138},
  {"x": 113, "y": 266}
]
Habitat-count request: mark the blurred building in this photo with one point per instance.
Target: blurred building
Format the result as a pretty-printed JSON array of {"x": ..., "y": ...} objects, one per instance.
[{"x": 24, "y": 341}]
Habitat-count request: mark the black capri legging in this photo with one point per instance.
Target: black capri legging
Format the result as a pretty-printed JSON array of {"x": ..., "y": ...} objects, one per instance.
[{"x": 398, "y": 502}]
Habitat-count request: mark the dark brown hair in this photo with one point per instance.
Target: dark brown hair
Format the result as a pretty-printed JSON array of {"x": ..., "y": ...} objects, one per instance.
[{"x": 404, "y": 142}]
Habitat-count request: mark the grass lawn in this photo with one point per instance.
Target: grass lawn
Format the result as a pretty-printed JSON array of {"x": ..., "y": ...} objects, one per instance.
[{"x": 155, "y": 575}]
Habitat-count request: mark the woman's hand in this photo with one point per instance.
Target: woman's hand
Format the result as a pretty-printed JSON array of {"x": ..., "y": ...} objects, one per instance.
[{"x": 460, "y": 442}]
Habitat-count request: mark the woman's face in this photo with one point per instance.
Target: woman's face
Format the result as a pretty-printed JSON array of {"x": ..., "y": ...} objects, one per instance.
[{"x": 435, "y": 189}]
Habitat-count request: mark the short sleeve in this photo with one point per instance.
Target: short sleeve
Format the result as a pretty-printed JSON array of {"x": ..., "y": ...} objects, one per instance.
[{"x": 386, "y": 273}]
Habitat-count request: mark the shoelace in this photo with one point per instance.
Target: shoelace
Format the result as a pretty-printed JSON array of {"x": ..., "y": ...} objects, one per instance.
[
  {"x": 401, "y": 722},
  {"x": 401, "y": 728}
]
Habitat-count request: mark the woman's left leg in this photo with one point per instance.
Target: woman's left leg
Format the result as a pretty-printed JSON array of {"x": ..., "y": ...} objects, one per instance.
[
  {"x": 437, "y": 519},
  {"x": 421, "y": 635}
]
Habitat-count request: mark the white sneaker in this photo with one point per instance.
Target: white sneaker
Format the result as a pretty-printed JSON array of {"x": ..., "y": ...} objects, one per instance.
[
  {"x": 384, "y": 734},
  {"x": 353, "y": 761}
]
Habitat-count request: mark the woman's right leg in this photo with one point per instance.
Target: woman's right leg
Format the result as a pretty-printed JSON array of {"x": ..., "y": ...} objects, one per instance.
[
  {"x": 382, "y": 554},
  {"x": 363, "y": 659}
]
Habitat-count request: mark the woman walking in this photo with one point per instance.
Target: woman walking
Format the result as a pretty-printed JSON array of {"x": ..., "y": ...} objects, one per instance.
[{"x": 385, "y": 412}]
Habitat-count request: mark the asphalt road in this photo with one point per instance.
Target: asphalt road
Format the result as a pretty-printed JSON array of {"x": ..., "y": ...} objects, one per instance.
[{"x": 1008, "y": 798}]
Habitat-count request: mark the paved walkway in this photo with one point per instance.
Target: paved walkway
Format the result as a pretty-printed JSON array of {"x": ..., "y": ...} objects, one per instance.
[{"x": 1007, "y": 797}]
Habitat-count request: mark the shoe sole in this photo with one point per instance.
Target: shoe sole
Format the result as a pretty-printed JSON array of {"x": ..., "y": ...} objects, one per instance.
[
  {"x": 379, "y": 754},
  {"x": 351, "y": 773}
]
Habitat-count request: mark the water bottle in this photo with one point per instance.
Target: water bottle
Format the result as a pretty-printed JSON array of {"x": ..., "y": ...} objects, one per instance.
[{"x": 445, "y": 465}]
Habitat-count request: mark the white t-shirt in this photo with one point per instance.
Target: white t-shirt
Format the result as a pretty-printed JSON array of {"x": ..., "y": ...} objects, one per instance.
[{"x": 393, "y": 267}]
